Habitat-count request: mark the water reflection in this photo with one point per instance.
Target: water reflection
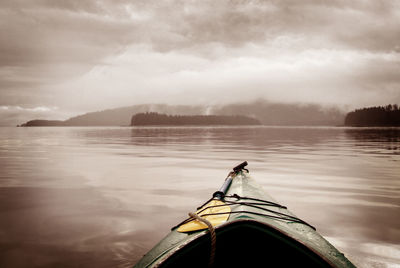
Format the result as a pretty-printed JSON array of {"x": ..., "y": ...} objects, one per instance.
[
  {"x": 387, "y": 139},
  {"x": 255, "y": 138},
  {"x": 94, "y": 196}
]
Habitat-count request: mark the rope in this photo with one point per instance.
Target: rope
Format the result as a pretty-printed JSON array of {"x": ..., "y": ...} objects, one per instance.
[
  {"x": 213, "y": 236},
  {"x": 280, "y": 215},
  {"x": 273, "y": 204}
]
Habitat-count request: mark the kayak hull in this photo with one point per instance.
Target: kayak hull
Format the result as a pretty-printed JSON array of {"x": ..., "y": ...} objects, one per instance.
[{"x": 250, "y": 237}]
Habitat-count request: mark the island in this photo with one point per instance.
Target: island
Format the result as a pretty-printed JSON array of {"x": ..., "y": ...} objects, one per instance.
[
  {"x": 378, "y": 116},
  {"x": 43, "y": 123},
  {"x": 156, "y": 119}
]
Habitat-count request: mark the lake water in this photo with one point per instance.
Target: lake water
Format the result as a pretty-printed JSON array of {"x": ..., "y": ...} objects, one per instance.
[{"x": 102, "y": 197}]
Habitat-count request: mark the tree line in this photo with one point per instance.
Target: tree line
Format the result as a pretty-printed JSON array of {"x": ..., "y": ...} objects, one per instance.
[
  {"x": 388, "y": 115},
  {"x": 156, "y": 119}
]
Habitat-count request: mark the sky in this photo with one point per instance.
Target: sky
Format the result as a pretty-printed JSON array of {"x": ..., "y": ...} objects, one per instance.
[{"x": 62, "y": 58}]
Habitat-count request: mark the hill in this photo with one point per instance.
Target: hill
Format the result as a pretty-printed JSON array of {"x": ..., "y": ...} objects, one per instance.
[
  {"x": 282, "y": 114},
  {"x": 122, "y": 116},
  {"x": 266, "y": 112}
]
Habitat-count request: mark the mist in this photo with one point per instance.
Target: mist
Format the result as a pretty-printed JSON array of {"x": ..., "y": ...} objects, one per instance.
[{"x": 64, "y": 58}]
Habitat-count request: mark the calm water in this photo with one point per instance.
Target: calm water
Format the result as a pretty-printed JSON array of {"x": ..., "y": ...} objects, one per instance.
[{"x": 102, "y": 197}]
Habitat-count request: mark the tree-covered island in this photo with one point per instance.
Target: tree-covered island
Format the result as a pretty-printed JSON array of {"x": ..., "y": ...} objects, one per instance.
[
  {"x": 386, "y": 116},
  {"x": 156, "y": 119}
]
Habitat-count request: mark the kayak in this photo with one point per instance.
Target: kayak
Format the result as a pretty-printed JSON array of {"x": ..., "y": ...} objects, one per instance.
[{"x": 242, "y": 226}]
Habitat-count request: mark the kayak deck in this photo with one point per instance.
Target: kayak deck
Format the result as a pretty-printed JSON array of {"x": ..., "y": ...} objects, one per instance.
[{"x": 252, "y": 236}]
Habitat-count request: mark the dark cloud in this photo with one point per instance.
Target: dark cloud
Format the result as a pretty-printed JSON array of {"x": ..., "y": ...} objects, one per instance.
[
  {"x": 43, "y": 43},
  {"x": 87, "y": 31},
  {"x": 368, "y": 25},
  {"x": 108, "y": 26},
  {"x": 39, "y": 37},
  {"x": 46, "y": 44}
]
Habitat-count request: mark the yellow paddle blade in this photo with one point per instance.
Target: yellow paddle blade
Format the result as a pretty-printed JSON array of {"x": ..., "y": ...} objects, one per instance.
[{"x": 215, "y": 220}]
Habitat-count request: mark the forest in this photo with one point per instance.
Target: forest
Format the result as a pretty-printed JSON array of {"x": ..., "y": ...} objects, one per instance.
[
  {"x": 156, "y": 119},
  {"x": 388, "y": 115}
]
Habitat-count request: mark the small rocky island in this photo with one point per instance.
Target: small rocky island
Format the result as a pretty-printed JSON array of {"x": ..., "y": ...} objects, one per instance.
[
  {"x": 387, "y": 116},
  {"x": 156, "y": 119}
]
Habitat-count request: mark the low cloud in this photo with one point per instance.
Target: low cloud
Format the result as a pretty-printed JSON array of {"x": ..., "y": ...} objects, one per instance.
[
  {"x": 13, "y": 115},
  {"x": 88, "y": 55}
]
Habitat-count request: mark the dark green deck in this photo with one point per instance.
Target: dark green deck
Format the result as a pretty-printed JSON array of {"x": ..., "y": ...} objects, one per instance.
[{"x": 248, "y": 240}]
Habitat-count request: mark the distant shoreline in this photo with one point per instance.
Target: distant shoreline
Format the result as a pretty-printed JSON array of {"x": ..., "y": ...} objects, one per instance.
[
  {"x": 157, "y": 119},
  {"x": 267, "y": 113},
  {"x": 215, "y": 126},
  {"x": 262, "y": 114}
]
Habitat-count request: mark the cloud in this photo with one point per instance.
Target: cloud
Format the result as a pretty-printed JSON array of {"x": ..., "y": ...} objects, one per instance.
[
  {"x": 276, "y": 73},
  {"x": 35, "y": 109},
  {"x": 85, "y": 32},
  {"x": 44, "y": 37},
  {"x": 13, "y": 115},
  {"x": 85, "y": 55}
]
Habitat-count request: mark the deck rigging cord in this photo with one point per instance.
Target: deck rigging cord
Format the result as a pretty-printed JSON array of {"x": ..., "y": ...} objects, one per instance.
[
  {"x": 235, "y": 200},
  {"x": 273, "y": 214},
  {"x": 258, "y": 204}
]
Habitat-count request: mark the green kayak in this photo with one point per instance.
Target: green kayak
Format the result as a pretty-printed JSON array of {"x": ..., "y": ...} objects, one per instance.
[{"x": 241, "y": 226}]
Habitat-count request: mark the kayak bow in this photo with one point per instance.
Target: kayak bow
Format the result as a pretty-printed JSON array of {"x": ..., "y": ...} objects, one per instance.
[{"x": 250, "y": 230}]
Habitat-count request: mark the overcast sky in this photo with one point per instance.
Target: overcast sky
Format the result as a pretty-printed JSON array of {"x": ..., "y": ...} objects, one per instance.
[{"x": 61, "y": 58}]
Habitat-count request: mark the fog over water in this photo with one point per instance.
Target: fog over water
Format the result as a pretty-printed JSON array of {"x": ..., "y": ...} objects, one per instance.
[{"x": 101, "y": 197}]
